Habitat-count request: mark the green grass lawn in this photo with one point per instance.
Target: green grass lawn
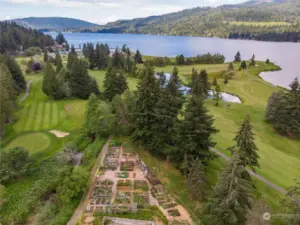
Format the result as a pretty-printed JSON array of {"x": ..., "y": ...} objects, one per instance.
[
  {"x": 33, "y": 142},
  {"x": 186, "y": 71},
  {"x": 279, "y": 155}
]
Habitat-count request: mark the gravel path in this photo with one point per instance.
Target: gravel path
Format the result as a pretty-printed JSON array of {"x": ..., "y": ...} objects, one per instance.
[
  {"x": 81, "y": 207},
  {"x": 26, "y": 91},
  {"x": 269, "y": 183}
]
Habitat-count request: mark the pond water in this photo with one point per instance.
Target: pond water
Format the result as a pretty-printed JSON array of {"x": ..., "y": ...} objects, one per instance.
[
  {"x": 226, "y": 97},
  {"x": 284, "y": 54}
]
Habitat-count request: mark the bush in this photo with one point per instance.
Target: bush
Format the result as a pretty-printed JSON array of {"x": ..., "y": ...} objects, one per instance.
[{"x": 33, "y": 51}]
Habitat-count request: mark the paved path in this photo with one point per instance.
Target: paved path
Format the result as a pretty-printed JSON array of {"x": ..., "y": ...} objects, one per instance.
[
  {"x": 270, "y": 184},
  {"x": 81, "y": 207},
  {"x": 26, "y": 91}
]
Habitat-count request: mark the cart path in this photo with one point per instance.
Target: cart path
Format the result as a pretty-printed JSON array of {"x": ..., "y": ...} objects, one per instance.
[
  {"x": 85, "y": 198},
  {"x": 264, "y": 180},
  {"x": 26, "y": 91}
]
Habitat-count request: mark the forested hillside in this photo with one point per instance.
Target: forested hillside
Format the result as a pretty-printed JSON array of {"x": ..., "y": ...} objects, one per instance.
[
  {"x": 53, "y": 23},
  {"x": 14, "y": 37},
  {"x": 278, "y": 21}
]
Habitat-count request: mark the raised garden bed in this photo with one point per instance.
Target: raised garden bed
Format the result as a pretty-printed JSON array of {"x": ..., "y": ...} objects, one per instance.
[
  {"x": 173, "y": 212},
  {"x": 123, "y": 198},
  {"x": 122, "y": 174},
  {"x": 107, "y": 182},
  {"x": 140, "y": 185},
  {"x": 127, "y": 166},
  {"x": 122, "y": 183},
  {"x": 141, "y": 199},
  {"x": 102, "y": 192}
]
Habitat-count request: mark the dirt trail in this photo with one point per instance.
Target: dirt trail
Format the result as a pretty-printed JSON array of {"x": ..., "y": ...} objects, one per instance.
[
  {"x": 26, "y": 91},
  {"x": 269, "y": 183},
  {"x": 81, "y": 207}
]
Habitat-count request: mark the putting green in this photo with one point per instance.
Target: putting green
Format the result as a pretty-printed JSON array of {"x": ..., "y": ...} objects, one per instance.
[{"x": 33, "y": 142}]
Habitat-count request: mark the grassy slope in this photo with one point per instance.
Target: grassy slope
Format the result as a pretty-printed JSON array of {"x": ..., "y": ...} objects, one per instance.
[{"x": 275, "y": 151}]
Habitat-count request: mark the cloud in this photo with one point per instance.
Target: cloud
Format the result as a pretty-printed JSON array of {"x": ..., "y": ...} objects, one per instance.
[{"x": 7, "y": 18}]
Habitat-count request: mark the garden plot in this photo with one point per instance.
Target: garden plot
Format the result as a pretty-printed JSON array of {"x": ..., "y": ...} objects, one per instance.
[
  {"x": 141, "y": 185},
  {"x": 122, "y": 174},
  {"x": 127, "y": 166},
  {"x": 141, "y": 198},
  {"x": 112, "y": 157},
  {"x": 124, "y": 185},
  {"x": 165, "y": 200},
  {"x": 123, "y": 198}
]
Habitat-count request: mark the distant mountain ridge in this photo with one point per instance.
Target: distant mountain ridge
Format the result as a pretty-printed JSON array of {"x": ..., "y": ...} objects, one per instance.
[
  {"x": 54, "y": 23},
  {"x": 270, "y": 20}
]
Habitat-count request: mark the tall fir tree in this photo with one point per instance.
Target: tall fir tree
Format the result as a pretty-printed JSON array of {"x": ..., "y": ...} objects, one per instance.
[
  {"x": 147, "y": 96},
  {"x": 118, "y": 61},
  {"x": 204, "y": 81},
  {"x": 166, "y": 111},
  {"x": 200, "y": 85},
  {"x": 92, "y": 115},
  {"x": 114, "y": 83},
  {"x": 15, "y": 70},
  {"x": 8, "y": 97},
  {"x": 237, "y": 57},
  {"x": 193, "y": 133},
  {"x": 50, "y": 83},
  {"x": 232, "y": 196},
  {"x": 217, "y": 94},
  {"x": 252, "y": 61},
  {"x": 80, "y": 80},
  {"x": 58, "y": 62},
  {"x": 45, "y": 57},
  {"x": 246, "y": 146},
  {"x": 71, "y": 57},
  {"x": 138, "y": 57},
  {"x": 243, "y": 65},
  {"x": 197, "y": 180}
]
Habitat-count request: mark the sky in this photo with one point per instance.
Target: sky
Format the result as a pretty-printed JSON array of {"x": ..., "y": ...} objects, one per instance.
[{"x": 99, "y": 11}]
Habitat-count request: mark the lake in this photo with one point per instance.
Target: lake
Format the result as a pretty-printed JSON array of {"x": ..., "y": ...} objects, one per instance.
[{"x": 284, "y": 54}]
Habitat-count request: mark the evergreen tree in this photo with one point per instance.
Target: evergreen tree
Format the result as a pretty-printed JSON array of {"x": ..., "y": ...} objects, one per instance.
[
  {"x": 71, "y": 58},
  {"x": 114, "y": 83},
  {"x": 60, "y": 39},
  {"x": 58, "y": 62},
  {"x": 197, "y": 180},
  {"x": 8, "y": 97},
  {"x": 50, "y": 83},
  {"x": 180, "y": 60},
  {"x": 245, "y": 145},
  {"x": 147, "y": 96},
  {"x": 252, "y": 61},
  {"x": 92, "y": 115},
  {"x": 118, "y": 61},
  {"x": 217, "y": 94},
  {"x": 267, "y": 61},
  {"x": 232, "y": 195},
  {"x": 193, "y": 133},
  {"x": 237, "y": 57},
  {"x": 283, "y": 110},
  {"x": 45, "y": 56},
  {"x": 226, "y": 80},
  {"x": 166, "y": 111},
  {"x": 16, "y": 72},
  {"x": 204, "y": 82},
  {"x": 215, "y": 81},
  {"x": 291, "y": 203},
  {"x": 80, "y": 81},
  {"x": 63, "y": 82},
  {"x": 138, "y": 57},
  {"x": 243, "y": 65}
]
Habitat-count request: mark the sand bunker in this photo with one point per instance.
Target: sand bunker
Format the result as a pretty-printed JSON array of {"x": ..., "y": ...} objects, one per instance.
[{"x": 58, "y": 133}]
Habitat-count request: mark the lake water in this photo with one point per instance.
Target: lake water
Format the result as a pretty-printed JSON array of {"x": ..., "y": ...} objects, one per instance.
[{"x": 284, "y": 54}]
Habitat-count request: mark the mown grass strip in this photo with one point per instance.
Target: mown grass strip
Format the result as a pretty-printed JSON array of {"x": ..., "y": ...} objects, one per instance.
[
  {"x": 22, "y": 119},
  {"x": 39, "y": 116},
  {"x": 54, "y": 120},
  {"x": 46, "y": 114},
  {"x": 30, "y": 117}
]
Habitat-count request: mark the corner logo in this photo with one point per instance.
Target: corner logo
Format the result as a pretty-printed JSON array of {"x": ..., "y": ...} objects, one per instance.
[{"x": 266, "y": 216}]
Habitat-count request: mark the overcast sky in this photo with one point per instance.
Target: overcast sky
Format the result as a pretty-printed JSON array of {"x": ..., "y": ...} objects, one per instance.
[{"x": 98, "y": 11}]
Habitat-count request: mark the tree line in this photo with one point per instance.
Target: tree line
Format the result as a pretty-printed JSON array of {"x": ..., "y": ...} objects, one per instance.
[
  {"x": 16, "y": 38},
  {"x": 12, "y": 83}
]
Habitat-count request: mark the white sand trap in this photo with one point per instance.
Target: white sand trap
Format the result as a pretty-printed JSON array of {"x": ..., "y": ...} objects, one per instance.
[{"x": 58, "y": 133}]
